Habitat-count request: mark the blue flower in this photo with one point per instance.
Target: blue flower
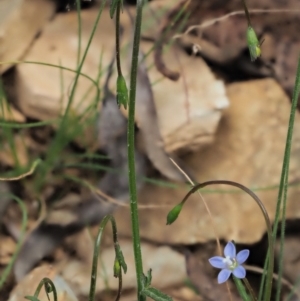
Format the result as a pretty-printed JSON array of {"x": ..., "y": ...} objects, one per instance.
[{"x": 231, "y": 263}]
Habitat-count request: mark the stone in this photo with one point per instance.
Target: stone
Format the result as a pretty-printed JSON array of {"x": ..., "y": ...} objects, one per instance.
[
  {"x": 41, "y": 97},
  {"x": 248, "y": 148},
  {"x": 168, "y": 268},
  {"x": 20, "y": 22},
  {"x": 28, "y": 285}
]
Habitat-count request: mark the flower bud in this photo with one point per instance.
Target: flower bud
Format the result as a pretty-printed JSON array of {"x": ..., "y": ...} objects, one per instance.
[
  {"x": 253, "y": 44},
  {"x": 122, "y": 92},
  {"x": 173, "y": 214}
]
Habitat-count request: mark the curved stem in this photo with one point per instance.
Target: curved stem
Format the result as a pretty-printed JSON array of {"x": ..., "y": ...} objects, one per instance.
[
  {"x": 131, "y": 150},
  {"x": 265, "y": 214},
  {"x": 45, "y": 282},
  {"x": 103, "y": 224}
]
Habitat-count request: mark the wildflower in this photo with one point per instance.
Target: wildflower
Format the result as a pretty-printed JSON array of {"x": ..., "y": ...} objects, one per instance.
[{"x": 231, "y": 263}]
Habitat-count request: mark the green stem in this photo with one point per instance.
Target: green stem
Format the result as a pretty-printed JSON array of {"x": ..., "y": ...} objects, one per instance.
[
  {"x": 241, "y": 289},
  {"x": 120, "y": 286},
  {"x": 94, "y": 273},
  {"x": 282, "y": 194},
  {"x": 246, "y": 12},
  {"x": 131, "y": 149},
  {"x": 49, "y": 287}
]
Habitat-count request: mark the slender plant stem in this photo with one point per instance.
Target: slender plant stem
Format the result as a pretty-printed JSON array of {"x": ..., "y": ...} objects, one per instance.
[
  {"x": 94, "y": 273},
  {"x": 282, "y": 195},
  {"x": 246, "y": 12},
  {"x": 241, "y": 289},
  {"x": 131, "y": 147},
  {"x": 49, "y": 287}
]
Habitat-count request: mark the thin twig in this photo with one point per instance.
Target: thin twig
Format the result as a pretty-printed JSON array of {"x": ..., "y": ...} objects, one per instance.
[
  {"x": 210, "y": 217},
  {"x": 234, "y": 13}
]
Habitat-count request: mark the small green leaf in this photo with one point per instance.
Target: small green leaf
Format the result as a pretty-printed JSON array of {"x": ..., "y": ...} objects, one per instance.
[
  {"x": 155, "y": 294},
  {"x": 122, "y": 92},
  {"x": 120, "y": 257},
  {"x": 148, "y": 278},
  {"x": 253, "y": 44},
  {"x": 113, "y": 7},
  {"x": 173, "y": 214}
]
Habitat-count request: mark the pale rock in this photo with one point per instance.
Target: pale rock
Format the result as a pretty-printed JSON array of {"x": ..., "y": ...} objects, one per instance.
[
  {"x": 248, "y": 148},
  {"x": 198, "y": 96},
  {"x": 168, "y": 268},
  {"x": 39, "y": 87},
  {"x": 7, "y": 248},
  {"x": 189, "y": 109},
  {"x": 28, "y": 285},
  {"x": 20, "y": 22},
  {"x": 9, "y": 113},
  {"x": 19, "y": 156}
]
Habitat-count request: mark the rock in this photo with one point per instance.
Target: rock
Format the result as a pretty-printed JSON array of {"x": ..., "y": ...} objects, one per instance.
[
  {"x": 9, "y": 113},
  {"x": 40, "y": 97},
  {"x": 20, "y": 22},
  {"x": 8, "y": 246},
  {"x": 168, "y": 268},
  {"x": 19, "y": 157},
  {"x": 28, "y": 285},
  {"x": 249, "y": 149},
  {"x": 189, "y": 109}
]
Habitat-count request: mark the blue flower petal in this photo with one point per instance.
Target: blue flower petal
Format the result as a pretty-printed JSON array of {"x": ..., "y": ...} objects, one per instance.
[
  {"x": 230, "y": 250},
  {"x": 239, "y": 272},
  {"x": 224, "y": 275},
  {"x": 242, "y": 256},
  {"x": 217, "y": 262}
]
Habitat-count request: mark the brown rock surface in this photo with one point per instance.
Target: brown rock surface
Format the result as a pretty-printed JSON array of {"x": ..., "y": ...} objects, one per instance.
[
  {"x": 41, "y": 97},
  {"x": 249, "y": 148},
  {"x": 168, "y": 268},
  {"x": 29, "y": 284},
  {"x": 20, "y": 21}
]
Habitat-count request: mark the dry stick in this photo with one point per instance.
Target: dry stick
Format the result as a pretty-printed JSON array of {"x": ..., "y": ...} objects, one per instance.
[
  {"x": 185, "y": 87},
  {"x": 235, "y": 13},
  {"x": 120, "y": 203},
  {"x": 210, "y": 217},
  {"x": 158, "y": 60},
  {"x": 32, "y": 169}
]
